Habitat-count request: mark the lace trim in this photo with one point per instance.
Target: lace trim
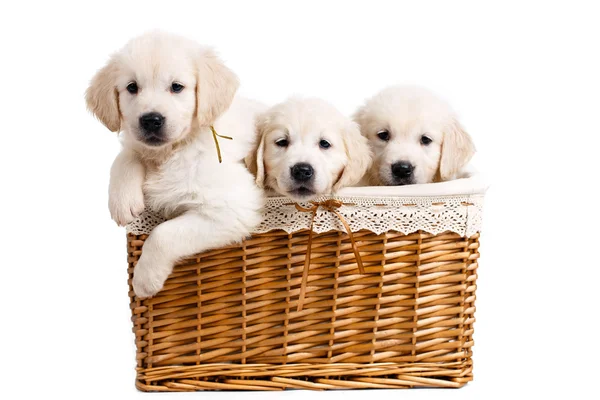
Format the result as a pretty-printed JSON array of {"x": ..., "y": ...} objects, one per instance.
[{"x": 459, "y": 214}]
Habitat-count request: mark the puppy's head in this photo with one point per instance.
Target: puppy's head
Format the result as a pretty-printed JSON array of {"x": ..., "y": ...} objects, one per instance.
[
  {"x": 308, "y": 148},
  {"x": 415, "y": 137},
  {"x": 160, "y": 87}
]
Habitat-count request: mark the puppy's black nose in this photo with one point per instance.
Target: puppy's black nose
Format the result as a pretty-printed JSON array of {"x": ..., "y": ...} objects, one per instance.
[
  {"x": 402, "y": 169},
  {"x": 302, "y": 172},
  {"x": 152, "y": 121}
]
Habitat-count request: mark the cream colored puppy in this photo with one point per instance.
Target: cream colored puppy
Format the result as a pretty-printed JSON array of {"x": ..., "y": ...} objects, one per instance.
[
  {"x": 415, "y": 137},
  {"x": 308, "y": 148},
  {"x": 163, "y": 93}
]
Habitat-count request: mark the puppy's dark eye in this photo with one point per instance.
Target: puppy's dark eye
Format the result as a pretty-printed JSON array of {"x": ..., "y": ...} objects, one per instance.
[
  {"x": 176, "y": 87},
  {"x": 425, "y": 140},
  {"x": 324, "y": 144},
  {"x": 132, "y": 88},
  {"x": 282, "y": 142},
  {"x": 383, "y": 135}
]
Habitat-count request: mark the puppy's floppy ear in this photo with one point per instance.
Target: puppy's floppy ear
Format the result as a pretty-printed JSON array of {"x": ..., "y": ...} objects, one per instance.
[
  {"x": 256, "y": 160},
  {"x": 457, "y": 150},
  {"x": 215, "y": 89},
  {"x": 360, "y": 116},
  {"x": 102, "y": 97},
  {"x": 358, "y": 154}
]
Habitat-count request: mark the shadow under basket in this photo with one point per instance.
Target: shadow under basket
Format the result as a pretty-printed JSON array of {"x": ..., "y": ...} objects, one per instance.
[{"x": 228, "y": 319}]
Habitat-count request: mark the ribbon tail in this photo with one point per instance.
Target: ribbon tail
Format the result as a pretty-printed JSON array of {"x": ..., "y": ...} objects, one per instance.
[
  {"x": 215, "y": 134},
  {"x": 304, "y": 282},
  {"x": 361, "y": 268},
  {"x": 357, "y": 256}
]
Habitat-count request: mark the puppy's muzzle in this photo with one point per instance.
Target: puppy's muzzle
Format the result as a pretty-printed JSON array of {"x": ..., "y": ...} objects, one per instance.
[
  {"x": 402, "y": 172},
  {"x": 151, "y": 124},
  {"x": 302, "y": 172}
]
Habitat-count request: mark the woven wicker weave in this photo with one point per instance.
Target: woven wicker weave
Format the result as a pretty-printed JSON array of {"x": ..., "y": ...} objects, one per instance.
[{"x": 227, "y": 319}]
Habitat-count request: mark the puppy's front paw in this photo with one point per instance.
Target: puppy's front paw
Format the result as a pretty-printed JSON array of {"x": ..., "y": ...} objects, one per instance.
[
  {"x": 125, "y": 206},
  {"x": 148, "y": 279}
]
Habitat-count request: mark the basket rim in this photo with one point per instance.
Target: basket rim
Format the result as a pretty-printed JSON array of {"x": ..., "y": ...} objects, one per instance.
[{"x": 473, "y": 184}]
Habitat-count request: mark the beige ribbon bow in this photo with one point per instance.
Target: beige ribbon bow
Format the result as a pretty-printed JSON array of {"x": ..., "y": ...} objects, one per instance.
[{"x": 330, "y": 205}]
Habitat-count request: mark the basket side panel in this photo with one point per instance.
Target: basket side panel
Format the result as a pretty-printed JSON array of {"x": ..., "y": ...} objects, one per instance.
[{"x": 228, "y": 319}]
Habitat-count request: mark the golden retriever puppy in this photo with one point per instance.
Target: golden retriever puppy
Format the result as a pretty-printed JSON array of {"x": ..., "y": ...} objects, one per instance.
[
  {"x": 308, "y": 148},
  {"x": 415, "y": 137},
  {"x": 164, "y": 93}
]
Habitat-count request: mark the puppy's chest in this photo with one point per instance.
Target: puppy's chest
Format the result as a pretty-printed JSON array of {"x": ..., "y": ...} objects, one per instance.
[{"x": 176, "y": 183}]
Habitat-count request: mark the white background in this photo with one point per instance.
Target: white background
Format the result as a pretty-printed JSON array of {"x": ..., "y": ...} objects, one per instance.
[{"x": 523, "y": 76}]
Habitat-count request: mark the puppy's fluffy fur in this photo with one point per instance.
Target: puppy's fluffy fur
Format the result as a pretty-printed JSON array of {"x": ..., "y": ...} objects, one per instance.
[
  {"x": 308, "y": 132},
  {"x": 396, "y": 120},
  {"x": 175, "y": 170}
]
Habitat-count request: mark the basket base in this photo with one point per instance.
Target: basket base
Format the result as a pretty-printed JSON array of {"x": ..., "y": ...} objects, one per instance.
[{"x": 303, "y": 376}]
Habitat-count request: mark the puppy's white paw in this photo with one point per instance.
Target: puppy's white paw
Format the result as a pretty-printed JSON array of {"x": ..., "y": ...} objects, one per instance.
[
  {"x": 125, "y": 206},
  {"x": 148, "y": 279}
]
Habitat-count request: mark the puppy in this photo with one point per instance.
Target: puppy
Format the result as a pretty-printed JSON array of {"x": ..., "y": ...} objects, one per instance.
[
  {"x": 164, "y": 93},
  {"x": 308, "y": 148},
  {"x": 415, "y": 137}
]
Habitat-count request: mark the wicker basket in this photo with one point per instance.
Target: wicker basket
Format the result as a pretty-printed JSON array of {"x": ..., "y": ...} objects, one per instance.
[{"x": 229, "y": 319}]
